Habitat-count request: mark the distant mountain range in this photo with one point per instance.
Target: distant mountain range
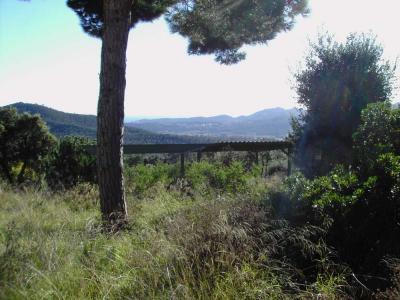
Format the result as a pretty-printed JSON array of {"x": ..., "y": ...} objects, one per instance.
[
  {"x": 268, "y": 123},
  {"x": 64, "y": 124}
]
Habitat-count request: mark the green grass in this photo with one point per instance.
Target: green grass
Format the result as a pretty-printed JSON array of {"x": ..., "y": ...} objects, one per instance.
[{"x": 179, "y": 246}]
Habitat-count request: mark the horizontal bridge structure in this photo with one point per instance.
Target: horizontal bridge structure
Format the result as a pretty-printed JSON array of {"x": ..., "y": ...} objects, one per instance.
[
  {"x": 248, "y": 146},
  {"x": 215, "y": 147}
]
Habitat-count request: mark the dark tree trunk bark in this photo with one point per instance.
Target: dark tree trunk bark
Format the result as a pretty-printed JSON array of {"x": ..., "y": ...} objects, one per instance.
[{"x": 110, "y": 114}]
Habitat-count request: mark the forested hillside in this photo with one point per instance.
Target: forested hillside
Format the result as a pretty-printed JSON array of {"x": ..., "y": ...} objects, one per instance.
[{"x": 64, "y": 124}]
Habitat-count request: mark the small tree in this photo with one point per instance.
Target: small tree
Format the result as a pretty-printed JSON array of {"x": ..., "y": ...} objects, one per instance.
[
  {"x": 71, "y": 163},
  {"x": 336, "y": 83},
  {"x": 24, "y": 143}
]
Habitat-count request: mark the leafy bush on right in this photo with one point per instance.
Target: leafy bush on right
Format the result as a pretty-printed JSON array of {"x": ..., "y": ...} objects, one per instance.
[{"x": 362, "y": 202}]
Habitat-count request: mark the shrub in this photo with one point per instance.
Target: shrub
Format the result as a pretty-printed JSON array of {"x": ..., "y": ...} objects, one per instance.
[
  {"x": 338, "y": 81},
  {"x": 71, "y": 163},
  {"x": 224, "y": 178},
  {"x": 25, "y": 143},
  {"x": 378, "y": 133},
  {"x": 361, "y": 213},
  {"x": 141, "y": 178}
]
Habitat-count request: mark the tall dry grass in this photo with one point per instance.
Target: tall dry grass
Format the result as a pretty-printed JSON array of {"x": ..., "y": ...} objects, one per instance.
[{"x": 179, "y": 246}]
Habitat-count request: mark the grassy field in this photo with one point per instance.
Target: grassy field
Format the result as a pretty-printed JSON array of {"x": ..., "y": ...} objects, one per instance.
[{"x": 182, "y": 243}]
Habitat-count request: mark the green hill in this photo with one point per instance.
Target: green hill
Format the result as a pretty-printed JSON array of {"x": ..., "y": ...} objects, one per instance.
[{"x": 64, "y": 124}]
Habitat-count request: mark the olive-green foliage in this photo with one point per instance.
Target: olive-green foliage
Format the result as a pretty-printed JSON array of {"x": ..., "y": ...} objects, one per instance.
[
  {"x": 25, "y": 143},
  {"x": 71, "y": 164},
  {"x": 231, "y": 178},
  {"x": 337, "y": 81},
  {"x": 203, "y": 177},
  {"x": 379, "y": 133},
  {"x": 365, "y": 209},
  {"x": 360, "y": 216},
  {"x": 142, "y": 177},
  {"x": 359, "y": 206}
]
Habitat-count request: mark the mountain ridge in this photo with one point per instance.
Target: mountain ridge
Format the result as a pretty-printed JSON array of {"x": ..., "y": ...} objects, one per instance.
[
  {"x": 267, "y": 123},
  {"x": 270, "y": 123},
  {"x": 63, "y": 124}
]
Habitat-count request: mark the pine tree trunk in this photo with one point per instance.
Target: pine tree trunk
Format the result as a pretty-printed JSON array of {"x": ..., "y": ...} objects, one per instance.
[{"x": 110, "y": 114}]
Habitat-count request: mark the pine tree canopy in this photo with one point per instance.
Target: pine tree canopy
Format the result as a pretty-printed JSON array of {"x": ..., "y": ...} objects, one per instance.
[
  {"x": 219, "y": 27},
  {"x": 90, "y": 12},
  {"x": 222, "y": 27}
]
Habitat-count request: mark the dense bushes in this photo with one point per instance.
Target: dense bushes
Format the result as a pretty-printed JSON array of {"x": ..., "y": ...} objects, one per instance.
[
  {"x": 337, "y": 81},
  {"x": 29, "y": 153},
  {"x": 358, "y": 205},
  {"x": 203, "y": 177},
  {"x": 25, "y": 143},
  {"x": 363, "y": 215},
  {"x": 379, "y": 133},
  {"x": 231, "y": 178},
  {"x": 141, "y": 178},
  {"x": 71, "y": 164}
]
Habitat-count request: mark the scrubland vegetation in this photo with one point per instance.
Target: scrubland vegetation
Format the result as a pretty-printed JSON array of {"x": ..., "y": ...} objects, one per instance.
[
  {"x": 230, "y": 229},
  {"x": 223, "y": 232},
  {"x": 184, "y": 242}
]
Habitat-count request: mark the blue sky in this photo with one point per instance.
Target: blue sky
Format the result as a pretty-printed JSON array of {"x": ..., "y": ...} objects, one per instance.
[{"x": 45, "y": 58}]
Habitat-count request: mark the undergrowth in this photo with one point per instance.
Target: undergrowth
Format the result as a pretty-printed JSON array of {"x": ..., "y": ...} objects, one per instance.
[{"x": 180, "y": 245}]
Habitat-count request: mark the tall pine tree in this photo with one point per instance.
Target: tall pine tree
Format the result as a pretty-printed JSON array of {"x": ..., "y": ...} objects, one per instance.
[{"x": 219, "y": 27}]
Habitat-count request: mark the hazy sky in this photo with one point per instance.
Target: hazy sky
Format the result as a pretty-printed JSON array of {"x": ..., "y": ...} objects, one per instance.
[{"x": 45, "y": 58}]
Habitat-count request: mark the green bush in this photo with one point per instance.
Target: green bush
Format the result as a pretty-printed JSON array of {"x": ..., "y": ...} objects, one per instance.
[
  {"x": 25, "y": 143},
  {"x": 361, "y": 213},
  {"x": 71, "y": 164},
  {"x": 229, "y": 178},
  {"x": 142, "y": 177},
  {"x": 337, "y": 82},
  {"x": 202, "y": 177},
  {"x": 378, "y": 133}
]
